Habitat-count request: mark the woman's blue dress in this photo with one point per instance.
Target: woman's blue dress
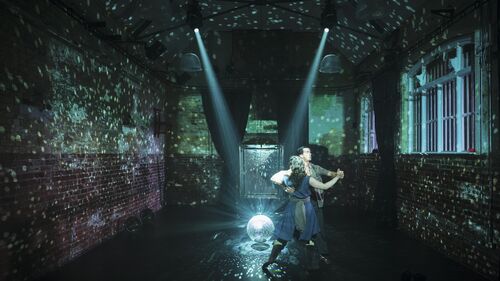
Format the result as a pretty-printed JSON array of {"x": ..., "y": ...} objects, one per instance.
[{"x": 287, "y": 225}]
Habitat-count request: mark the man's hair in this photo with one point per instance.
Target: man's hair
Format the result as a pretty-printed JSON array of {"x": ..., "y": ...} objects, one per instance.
[{"x": 300, "y": 150}]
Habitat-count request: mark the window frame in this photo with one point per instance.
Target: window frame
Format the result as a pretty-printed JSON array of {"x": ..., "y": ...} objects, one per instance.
[
  {"x": 368, "y": 131},
  {"x": 420, "y": 92}
]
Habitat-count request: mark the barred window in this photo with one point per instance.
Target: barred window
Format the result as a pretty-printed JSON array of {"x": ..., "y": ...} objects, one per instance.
[
  {"x": 469, "y": 102},
  {"x": 368, "y": 133},
  {"x": 442, "y": 100},
  {"x": 449, "y": 116},
  {"x": 432, "y": 119},
  {"x": 372, "y": 135},
  {"x": 417, "y": 124}
]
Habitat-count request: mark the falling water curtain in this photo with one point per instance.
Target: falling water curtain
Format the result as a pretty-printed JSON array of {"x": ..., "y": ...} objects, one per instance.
[
  {"x": 238, "y": 102},
  {"x": 385, "y": 102}
]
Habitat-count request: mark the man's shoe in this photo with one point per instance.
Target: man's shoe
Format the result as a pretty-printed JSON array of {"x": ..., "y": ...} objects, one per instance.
[{"x": 324, "y": 259}]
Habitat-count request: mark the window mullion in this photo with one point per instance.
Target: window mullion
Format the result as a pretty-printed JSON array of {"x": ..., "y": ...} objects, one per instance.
[
  {"x": 460, "y": 104},
  {"x": 410, "y": 115},
  {"x": 440, "y": 118},
  {"x": 423, "y": 116},
  {"x": 423, "y": 133}
]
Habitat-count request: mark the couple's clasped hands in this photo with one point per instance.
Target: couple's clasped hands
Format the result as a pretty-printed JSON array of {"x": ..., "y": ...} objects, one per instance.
[{"x": 340, "y": 174}]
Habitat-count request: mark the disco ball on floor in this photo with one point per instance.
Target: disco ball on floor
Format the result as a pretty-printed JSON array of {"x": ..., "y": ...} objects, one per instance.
[{"x": 260, "y": 228}]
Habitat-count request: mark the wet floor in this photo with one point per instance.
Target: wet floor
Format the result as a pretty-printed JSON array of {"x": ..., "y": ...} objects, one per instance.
[{"x": 203, "y": 243}]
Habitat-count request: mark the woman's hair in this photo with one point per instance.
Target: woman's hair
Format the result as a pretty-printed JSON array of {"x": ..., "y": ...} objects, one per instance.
[{"x": 298, "y": 170}]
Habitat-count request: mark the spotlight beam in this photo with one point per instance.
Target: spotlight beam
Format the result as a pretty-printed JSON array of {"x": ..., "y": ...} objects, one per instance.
[
  {"x": 222, "y": 116},
  {"x": 294, "y": 127}
]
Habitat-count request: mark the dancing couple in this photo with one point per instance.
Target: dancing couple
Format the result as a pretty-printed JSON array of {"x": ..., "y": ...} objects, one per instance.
[{"x": 302, "y": 181}]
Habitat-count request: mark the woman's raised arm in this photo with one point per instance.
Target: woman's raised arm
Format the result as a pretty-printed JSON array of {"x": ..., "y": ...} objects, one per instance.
[{"x": 279, "y": 177}]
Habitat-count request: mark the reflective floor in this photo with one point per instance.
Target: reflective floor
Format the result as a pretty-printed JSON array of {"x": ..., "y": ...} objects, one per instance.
[{"x": 202, "y": 243}]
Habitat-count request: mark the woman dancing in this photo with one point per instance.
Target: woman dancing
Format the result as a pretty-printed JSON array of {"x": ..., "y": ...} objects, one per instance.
[{"x": 299, "y": 216}]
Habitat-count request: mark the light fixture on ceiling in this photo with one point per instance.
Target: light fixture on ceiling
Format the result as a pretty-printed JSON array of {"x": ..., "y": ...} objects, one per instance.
[
  {"x": 194, "y": 18},
  {"x": 329, "y": 15},
  {"x": 190, "y": 62},
  {"x": 330, "y": 64}
]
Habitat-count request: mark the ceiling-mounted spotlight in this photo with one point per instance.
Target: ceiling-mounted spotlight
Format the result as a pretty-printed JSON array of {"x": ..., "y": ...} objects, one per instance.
[
  {"x": 154, "y": 50},
  {"x": 194, "y": 18},
  {"x": 330, "y": 64},
  {"x": 190, "y": 63},
  {"x": 329, "y": 15}
]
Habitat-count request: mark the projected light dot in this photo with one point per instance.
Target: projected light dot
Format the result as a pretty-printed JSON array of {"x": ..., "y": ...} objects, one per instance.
[
  {"x": 260, "y": 228},
  {"x": 196, "y": 30},
  {"x": 326, "y": 29}
]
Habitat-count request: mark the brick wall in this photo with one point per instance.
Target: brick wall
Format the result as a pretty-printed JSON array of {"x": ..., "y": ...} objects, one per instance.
[
  {"x": 56, "y": 207},
  {"x": 447, "y": 202},
  {"x": 444, "y": 200},
  {"x": 357, "y": 188},
  {"x": 77, "y": 154},
  {"x": 450, "y": 201},
  {"x": 193, "y": 179}
]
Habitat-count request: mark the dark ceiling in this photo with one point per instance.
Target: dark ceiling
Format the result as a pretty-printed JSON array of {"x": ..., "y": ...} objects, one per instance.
[{"x": 360, "y": 28}]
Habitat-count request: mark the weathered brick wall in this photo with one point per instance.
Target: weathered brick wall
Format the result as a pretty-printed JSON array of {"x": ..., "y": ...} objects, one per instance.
[
  {"x": 444, "y": 200},
  {"x": 58, "y": 206},
  {"x": 448, "y": 202},
  {"x": 193, "y": 166},
  {"x": 193, "y": 179},
  {"x": 451, "y": 202},
  {"x": 357, "y": 188},
  {"x": 77, "y": 154}
]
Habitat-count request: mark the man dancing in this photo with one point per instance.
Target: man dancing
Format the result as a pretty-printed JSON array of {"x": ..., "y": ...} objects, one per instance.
[
  {"x": 299, "y": 215},
  {"x": 317, "y": 198}
]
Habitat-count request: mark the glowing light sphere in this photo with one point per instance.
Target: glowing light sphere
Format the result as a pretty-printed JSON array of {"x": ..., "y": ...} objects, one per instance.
[
  {"x": 196, "y": 30},
  {"x": 260, "y": 228},
  {"x": 326, "y": 30}
]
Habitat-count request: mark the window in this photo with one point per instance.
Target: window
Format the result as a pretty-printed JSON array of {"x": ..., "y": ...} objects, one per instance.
[
  {"x": 449, "y": 116},
  {"x": 417, "y": 124},
  {"x": 469, "y": 101},
  {"x": 432, "y": 119},
  {"x": 442, "y": 100},
  {"x": 369, "y": 136}
]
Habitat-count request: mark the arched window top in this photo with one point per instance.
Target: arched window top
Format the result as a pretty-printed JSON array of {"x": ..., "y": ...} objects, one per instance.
[{"x": 440, "y": 50}]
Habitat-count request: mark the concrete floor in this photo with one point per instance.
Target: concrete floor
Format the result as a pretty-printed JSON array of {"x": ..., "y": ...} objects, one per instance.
[{"x": 202, "y": 243}]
